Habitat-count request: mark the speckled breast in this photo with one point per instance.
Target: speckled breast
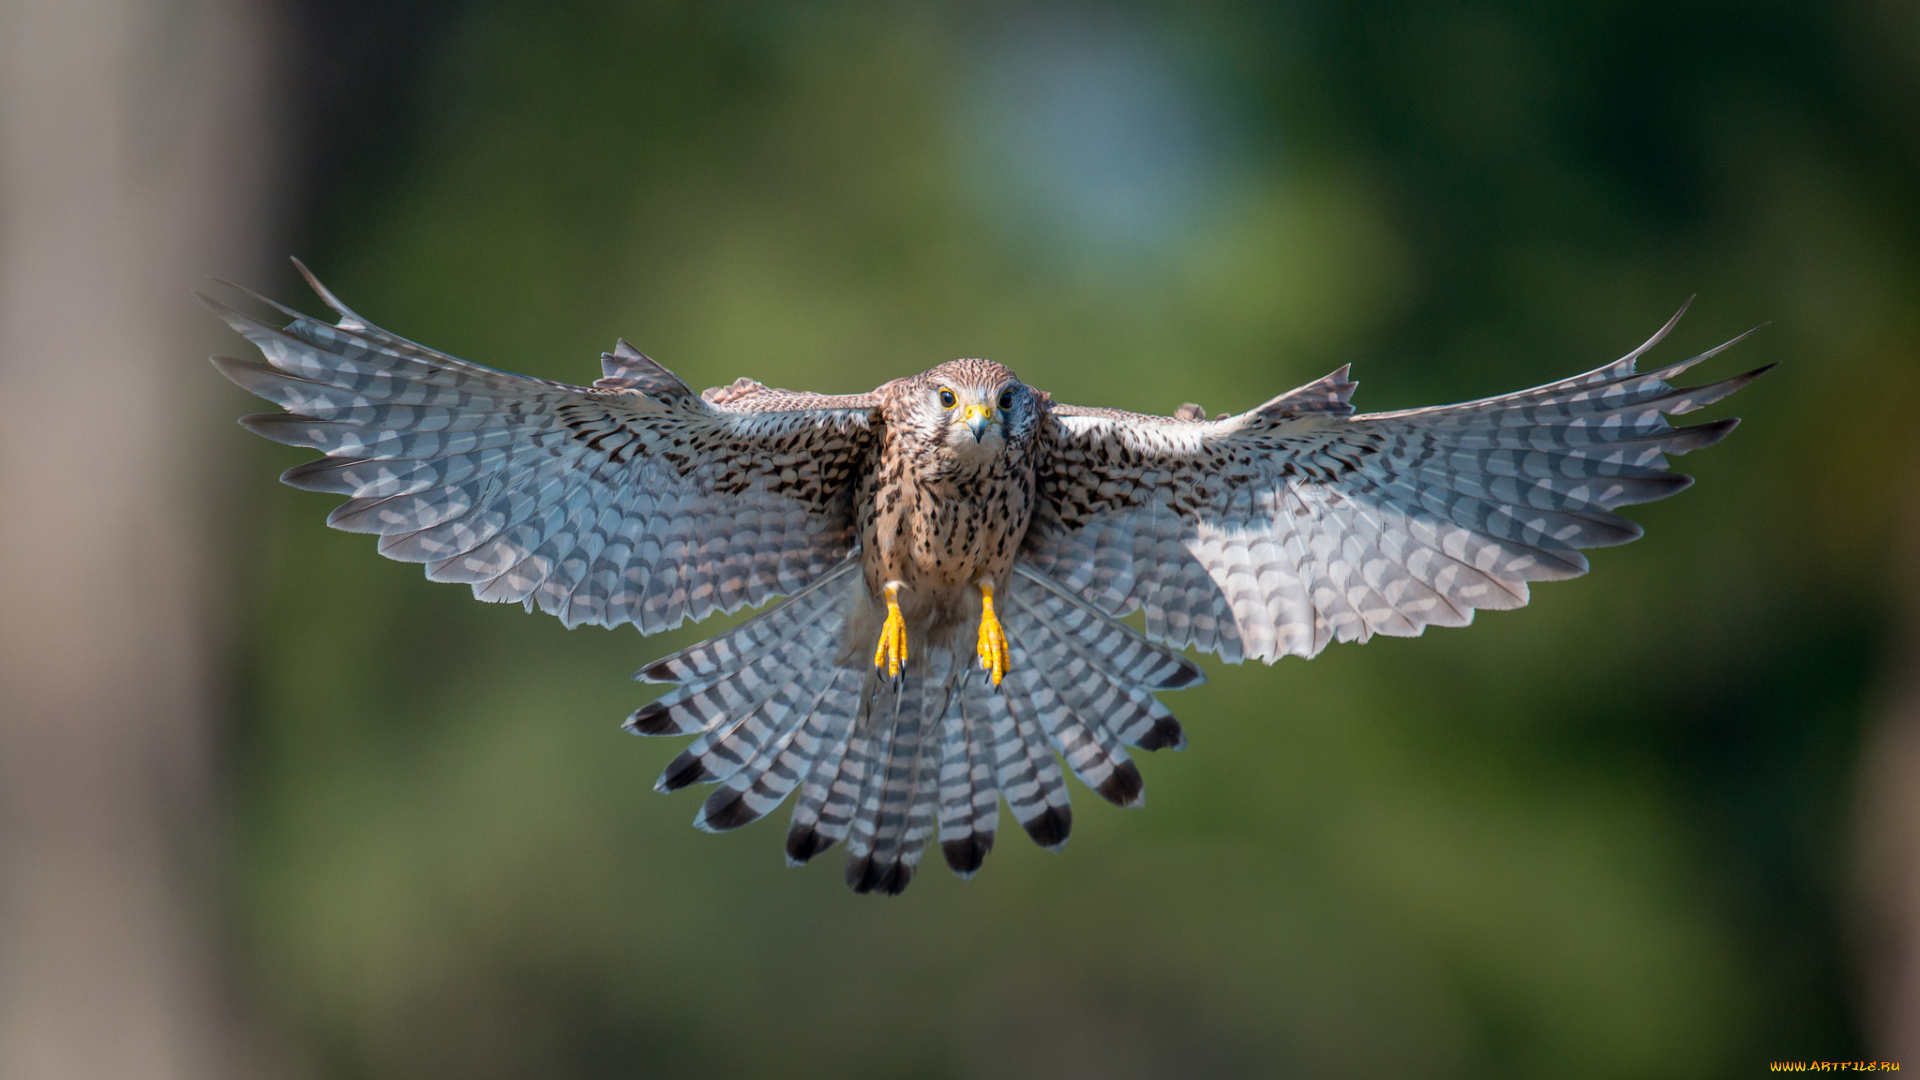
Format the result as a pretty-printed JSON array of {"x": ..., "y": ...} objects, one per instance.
[{"x": 942, "y": 534}]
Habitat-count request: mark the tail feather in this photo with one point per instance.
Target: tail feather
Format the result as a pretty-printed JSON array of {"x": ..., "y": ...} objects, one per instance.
[
  {"x": 834, "y": 817},
  {"x": 879, "y": 765},
  {"x": 784, "y": 682},
  {"x": 897, "y": 802},
  {"x": 1030, "y": 778},
  {"x": 717, "y": 657},
  {"x": 761, "y": 783},
  {"x": 969, "y": 789},
  {"x": 1119, "y": 651},
  {"x": 908, "y": 814},
  {"x": 805, "y": 837},
  {"x": 889, "y": 731},
  {"x": 1088, "y": 747},
  {"x": 1136, "y": 717},
  {"x": 1103, "y": 655},
  {"x": 800, "y": 634}
]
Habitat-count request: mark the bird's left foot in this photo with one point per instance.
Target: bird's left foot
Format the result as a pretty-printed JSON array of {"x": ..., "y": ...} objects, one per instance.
[
  {"x": 992, "y": 647},
  {"x": 892, "y": 652}
]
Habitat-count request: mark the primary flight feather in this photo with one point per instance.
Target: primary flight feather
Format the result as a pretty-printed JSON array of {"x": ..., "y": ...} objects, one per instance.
[{"x": 955, "y": 549}]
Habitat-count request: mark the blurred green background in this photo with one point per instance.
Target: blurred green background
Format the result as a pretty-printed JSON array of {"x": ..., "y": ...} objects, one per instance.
[{"x": 1603, "y": 836}]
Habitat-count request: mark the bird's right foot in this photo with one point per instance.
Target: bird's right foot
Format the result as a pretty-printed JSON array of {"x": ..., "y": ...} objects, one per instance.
[
  {"x": 995, "y": 657},
  {"x": 892, "y": 652}
]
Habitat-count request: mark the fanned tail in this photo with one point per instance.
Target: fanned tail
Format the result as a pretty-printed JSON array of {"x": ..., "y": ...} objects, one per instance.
[
  {"x": 896, "y": 808},
  {"x": 877, "y": 763},
  {"x": 761, "y": 698}
]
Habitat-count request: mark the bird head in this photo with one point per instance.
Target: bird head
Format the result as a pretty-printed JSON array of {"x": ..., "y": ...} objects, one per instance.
[{"x": 973, "y": 410}]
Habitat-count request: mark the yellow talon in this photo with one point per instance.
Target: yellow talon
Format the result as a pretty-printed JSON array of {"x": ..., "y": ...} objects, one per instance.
[
  {"x": 992, "y": 649},
  {"x": 892, "y": 651}
]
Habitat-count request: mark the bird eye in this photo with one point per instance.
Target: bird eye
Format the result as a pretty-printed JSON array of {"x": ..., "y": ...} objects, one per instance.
[
  {"x": 947, "y": 400},
  {"x": 1006, "y": 400}
]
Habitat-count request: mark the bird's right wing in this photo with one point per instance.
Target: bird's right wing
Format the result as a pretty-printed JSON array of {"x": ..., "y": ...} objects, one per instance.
[
  {"x": 633, "y": 500},
  {"x": 1298, "y": 523}
]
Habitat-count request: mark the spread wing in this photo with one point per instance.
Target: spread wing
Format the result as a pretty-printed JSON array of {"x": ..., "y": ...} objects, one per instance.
[
  {"x": 633, "y": 500},
  {"x": 1298, "y": 523}
]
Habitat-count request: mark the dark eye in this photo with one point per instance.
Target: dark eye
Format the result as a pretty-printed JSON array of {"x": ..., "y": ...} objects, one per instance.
[
  {"x": 947, "y": 400},
  {"x": 1006, "y": 400}
]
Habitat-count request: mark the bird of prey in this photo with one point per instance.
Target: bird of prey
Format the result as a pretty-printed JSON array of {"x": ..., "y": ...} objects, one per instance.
[{"x": 956, "y": 550}]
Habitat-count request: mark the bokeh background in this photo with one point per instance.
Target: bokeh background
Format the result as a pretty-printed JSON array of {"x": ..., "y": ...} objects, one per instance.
[{"x": 275, "y": 806}]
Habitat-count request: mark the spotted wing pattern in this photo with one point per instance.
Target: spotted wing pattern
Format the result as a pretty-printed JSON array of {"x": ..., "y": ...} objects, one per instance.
[
  {"x": 1298, "y": 523},
  {"x": 633, "y": 500}
]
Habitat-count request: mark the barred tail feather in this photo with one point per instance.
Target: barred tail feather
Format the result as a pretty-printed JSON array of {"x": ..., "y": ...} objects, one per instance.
[
  {"x": 896, "y": 808},
  {"x": 763, "y": 782},
  {"x": 880, "y": 765},
  {"x": 1115, "y": 669},
  {"x": 969, "y": 788},
  {"x": 1029, "y": 776},
  {"x": 745, "y": 712},
  {"x": 714, "y": 657},
  {"x": 758, "y": 696},
  {"x": 1087, "y": 746},
  {"x": 824, "y": 805}
]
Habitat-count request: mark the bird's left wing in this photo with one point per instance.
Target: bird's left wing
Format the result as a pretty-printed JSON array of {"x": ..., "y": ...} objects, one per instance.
[
  {"x": 1297, "y": 523},
  {"x": 633, "y": 500}
]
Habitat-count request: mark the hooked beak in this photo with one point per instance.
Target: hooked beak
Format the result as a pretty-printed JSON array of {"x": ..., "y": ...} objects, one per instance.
[{"x": 978, "y": 418}]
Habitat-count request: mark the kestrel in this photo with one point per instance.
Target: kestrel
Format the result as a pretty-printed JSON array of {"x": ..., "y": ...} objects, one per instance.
[{"x": 955, "y": 550}]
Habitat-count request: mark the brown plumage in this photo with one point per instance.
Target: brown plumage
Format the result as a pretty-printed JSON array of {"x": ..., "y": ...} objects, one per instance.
[
  {"x": 1008, "y": 533},
  {"x": 945, "y": 507}
]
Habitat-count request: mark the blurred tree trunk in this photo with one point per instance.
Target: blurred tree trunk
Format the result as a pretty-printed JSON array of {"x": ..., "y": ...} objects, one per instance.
[
  {"x": 1889, "y": 850},
  {"x": 132, "y": 164}
]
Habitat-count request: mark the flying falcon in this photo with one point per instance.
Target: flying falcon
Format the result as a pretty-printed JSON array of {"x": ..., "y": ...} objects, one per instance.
[{"x": 956, "y": 550}]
